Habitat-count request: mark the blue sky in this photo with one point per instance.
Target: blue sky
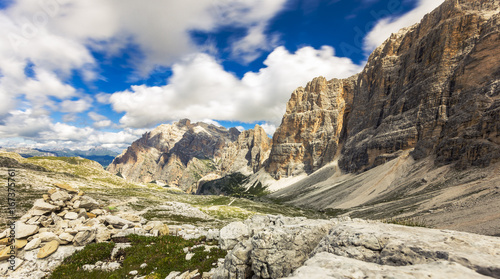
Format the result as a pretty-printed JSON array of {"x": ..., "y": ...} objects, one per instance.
[{"x": 80, "y": 74}]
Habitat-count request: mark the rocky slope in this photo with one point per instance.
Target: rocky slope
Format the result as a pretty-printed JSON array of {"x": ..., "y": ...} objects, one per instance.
[
  {"x": 432, "y": 87},
  {"x": 184, "y": 154}
]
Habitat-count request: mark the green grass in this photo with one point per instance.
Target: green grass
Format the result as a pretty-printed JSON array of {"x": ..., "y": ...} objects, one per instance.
[
  {"x": 162, "y": 255},
  {"x": 410, "y": 221}
]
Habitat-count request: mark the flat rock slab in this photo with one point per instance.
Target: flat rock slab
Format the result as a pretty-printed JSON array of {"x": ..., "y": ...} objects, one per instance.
[
  {"x": 48, "y": 249},
  {"x": 325, "y": 266},
  {"x": 395, "y": 245}
]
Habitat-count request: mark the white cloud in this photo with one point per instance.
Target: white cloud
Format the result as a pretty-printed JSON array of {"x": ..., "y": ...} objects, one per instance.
[
  {"x": 103, "y": 124},
  {"x": 269, "y": 128},
  {"x": 388, "y": 25},
  {"x": 253, "y": 44},
  {"x": 41, "y": 132},
  {"x": 96, "y": 117},
  {"x": 200, "y": 88},
  {"x": 76, "y": 106},
  {"x": 240, "y": 128}
]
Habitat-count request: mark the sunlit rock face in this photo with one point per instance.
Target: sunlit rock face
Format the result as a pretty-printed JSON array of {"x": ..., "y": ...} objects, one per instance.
[{"x": 432, "y": 87}]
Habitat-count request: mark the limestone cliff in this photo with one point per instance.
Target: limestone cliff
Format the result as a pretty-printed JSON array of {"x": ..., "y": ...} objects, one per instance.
[
  {"x": 309, "y": 134},
  {"x": 432, "y": 87},
  {"x": 186, "y": 154}
]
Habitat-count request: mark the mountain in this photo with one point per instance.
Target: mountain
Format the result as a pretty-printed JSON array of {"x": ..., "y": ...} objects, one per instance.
[
  {"x": 414, "y": 134},
  {"x": 99, "y": 154},
  {"x": 184, "y": 153}
]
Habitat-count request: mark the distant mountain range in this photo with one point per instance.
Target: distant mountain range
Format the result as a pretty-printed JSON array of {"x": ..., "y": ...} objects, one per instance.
[{"x": 99, "y": 154}]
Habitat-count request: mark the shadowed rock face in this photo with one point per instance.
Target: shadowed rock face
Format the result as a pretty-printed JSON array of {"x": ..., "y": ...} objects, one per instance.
[{"x": 433, "y": 87}]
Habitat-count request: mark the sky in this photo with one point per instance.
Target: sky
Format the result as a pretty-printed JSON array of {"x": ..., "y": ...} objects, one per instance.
[{"x": 81, "y": 74}]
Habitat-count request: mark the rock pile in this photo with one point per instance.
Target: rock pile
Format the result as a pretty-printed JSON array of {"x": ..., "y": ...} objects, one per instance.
[
  {"x": 276, "y": 247},
  {"x": 66, "y": 220}
]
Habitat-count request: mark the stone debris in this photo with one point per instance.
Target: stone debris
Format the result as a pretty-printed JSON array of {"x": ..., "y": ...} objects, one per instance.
[{"x": 64, "y": 222}]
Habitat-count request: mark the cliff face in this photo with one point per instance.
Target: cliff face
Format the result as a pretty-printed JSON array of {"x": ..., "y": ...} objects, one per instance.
[
  {"x": 309, "y": 134},
  {"x": 432, "y": 87},
  {"x": 183, "y": 153}
]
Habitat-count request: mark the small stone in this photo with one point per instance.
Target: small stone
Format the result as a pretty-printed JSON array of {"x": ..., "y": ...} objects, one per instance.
[
  {"x": 48, "y": 249},
  {"x": 48, "y": 236},
  {"x": 4, "y": 241},
  {"x": 133, "y": 272},
  {"x": 189, "y": 256},
  {"x": 45, "y": 197},
  {"x": 20, "y": 243},
  {"x": 71, "y": 216},
  {"x": 60, "y": 196},
  {"x": 88, "y": 267},
  {"x": 76, "y": 204},
  {"x": 97, "y": 212},
  {"x": 91, "y": 215},
  {"x": 173, "y": 275},
  {"x": 81, "y": 193},
  {"x": 5, "y": 253},
  {"x": 33, "y": 244},
  {"x": 144, "y": 265},
  {"x": 66, "y": 237},
  {"x": 83, "y": 238},
  {"x": 51, "y": 191},
  {"x": 40, "y": 207}
]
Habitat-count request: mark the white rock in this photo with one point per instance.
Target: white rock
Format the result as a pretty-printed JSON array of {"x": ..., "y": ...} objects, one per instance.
[
  {"x": 233, "y": 233},
  {"x": 60, "y": 196},
  {"x": 133, "y": 272},
  {"x": 22, "y": 230},
  {"x": 189, "y": 256},
  {"x": 144, "y": 265},
  {"x": 48, "y": 236},
  {"x": 172, "y": 275},
  {"x": 66, "y": 237},
  {"x": 111, "y": 266},
  {"x": 71, "y": 216},
  {"x": 325, "y": 266},
  {"x": 33, "y": 244},
  {"x": 88, "y": 267},
  {"x": 40, "y": 207},
  {"x": 116, "y": 221}
]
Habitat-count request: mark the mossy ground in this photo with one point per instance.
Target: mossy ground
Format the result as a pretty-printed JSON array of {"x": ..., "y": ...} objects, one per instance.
[{"x": 162, "y": 255}]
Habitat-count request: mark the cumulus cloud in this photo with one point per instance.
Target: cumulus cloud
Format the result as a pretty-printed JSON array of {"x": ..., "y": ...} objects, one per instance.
[
  {"x": 388, "y": 25},
  {"x": 200, "y": 88},
  {"x": 40, "y": 131}
]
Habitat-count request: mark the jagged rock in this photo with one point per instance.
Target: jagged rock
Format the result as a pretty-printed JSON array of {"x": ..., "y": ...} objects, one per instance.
[
  {"x": 231, "y": 234},
  {"x": 273, "y": 248},
  {"x": 84, "y": 237},
  {"x": 23, "y": 230},
  {"x": 20, "y": 243},
  {"x": 48, "y": 249}
]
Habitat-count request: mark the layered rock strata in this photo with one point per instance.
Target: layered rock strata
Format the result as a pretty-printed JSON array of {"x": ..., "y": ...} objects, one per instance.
[{"x": 432, "y": 87}]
